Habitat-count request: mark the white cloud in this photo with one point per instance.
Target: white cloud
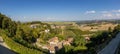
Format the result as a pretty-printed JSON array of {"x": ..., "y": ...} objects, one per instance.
[
  {"x": 116, "y": 11},
  {"x": 118, "y": 15},
  {"x": 104, "y": 12},
  {"x": 111, "y": 15},
  {"x": 119, "y": 10},
  {"x": 90, "y": 12},
  {"x": 111, "y": 11},
  {"x": 108, "y": 15}
]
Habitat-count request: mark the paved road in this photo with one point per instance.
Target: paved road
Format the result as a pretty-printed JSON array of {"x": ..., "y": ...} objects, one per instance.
[
  {"x": 4, "y": 50},
  {"x": 112, "y": 46}
]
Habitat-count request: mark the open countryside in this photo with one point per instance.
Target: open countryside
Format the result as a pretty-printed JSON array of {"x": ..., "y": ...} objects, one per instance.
[{"x": 45, "y": 30}]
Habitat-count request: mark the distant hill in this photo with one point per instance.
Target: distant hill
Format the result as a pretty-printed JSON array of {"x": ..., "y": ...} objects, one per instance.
[{"x": 114, "y": 21}]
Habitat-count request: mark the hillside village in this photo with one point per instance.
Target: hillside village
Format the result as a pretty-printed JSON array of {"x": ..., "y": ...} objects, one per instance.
[
  {"x": 54, "y": 44},
  {"x": 56, "y": 38}
]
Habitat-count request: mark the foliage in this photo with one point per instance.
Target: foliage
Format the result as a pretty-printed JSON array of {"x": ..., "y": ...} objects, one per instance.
[
  {"x": 66, "y": 50},
  {"x": 79, "y": 41},
  {"x": 8, "y": 24},
  {"x": 78, "y": 45},
  {"x": 80, "y": 32},
  {"x": 116, "y": 30},
  {"x": 80, "y": 49},
  {"x": 102, "y": 38},
  {"x": 21, "y": 33},
  {"x": 18, "y": 47}
]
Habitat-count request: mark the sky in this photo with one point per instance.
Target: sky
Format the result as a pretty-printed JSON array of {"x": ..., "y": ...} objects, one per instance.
[{"x": 60, "y": 10}]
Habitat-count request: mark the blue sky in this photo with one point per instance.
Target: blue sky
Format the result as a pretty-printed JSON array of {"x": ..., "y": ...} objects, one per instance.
[{"x": 60, "y": 10}]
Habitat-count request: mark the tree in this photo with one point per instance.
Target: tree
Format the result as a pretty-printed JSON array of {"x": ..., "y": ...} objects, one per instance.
[
  {"x": 8, "y": 24},
  {"x": 66, "y": 50},
  {"x": 109, "y": 29},
  {"x": 79, "y": 41},
  {"x": 79, "y": 49},
  {"x": 117, "y": 29}
]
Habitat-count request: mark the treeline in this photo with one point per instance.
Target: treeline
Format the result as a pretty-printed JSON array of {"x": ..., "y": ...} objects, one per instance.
[
  {"x": 22, "y": 33},
  {"x": 18, "y": 48},
  {"x": 8, "y": 25},
  {"x": 101, "y": 39},
  {"x": 14, "y": 29}
]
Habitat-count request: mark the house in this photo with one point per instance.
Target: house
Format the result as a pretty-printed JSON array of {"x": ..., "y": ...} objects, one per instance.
[
  {"x": 33, "y": 26},
  {"x": 53, "y": 26},
  {"x": 68, "y": 41},
  {"x": 60, "y": 45},
  {"x": 45, "y": 47},
  {"x": 53, "y": 41},
  {"x": 44, "y": 25},
  {"x": 52, "y": 49},
  {"x": 87, "y": 38},
  {"x": 47, "y": 30}
]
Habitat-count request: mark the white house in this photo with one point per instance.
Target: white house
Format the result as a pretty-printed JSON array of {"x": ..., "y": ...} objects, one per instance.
[{"x": 47, "y": 30}]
